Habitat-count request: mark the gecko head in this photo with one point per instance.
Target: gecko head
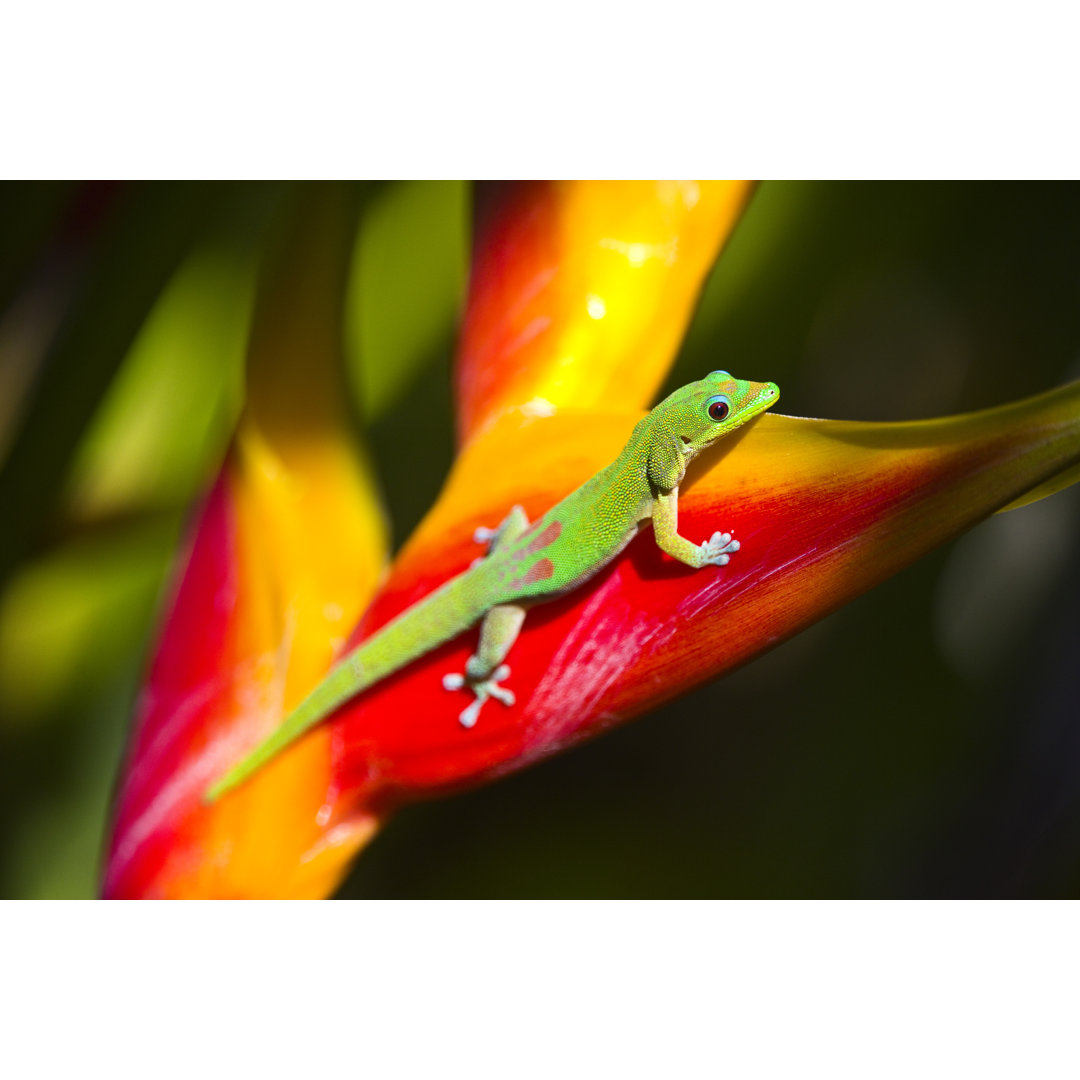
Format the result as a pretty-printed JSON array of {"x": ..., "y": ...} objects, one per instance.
[{"x": 702, "y": 412}]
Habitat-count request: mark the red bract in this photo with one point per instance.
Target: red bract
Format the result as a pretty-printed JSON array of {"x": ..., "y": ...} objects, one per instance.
[
  {"x": 284, "y": 555},
  {"x": 824, "y": 510}
]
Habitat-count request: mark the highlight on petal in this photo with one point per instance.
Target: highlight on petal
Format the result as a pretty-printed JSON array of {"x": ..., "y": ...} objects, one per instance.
[
  {"x": 580, "y": 292},
  {"x": 824, "y": 510},
  {"x": 285, "y": 554}
]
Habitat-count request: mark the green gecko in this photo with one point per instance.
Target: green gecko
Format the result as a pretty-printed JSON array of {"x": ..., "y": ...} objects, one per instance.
[{"x": 530, "y": 563}]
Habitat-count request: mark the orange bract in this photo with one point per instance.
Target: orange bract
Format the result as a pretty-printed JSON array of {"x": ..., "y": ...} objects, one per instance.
[{"x": 580, "y": 292}]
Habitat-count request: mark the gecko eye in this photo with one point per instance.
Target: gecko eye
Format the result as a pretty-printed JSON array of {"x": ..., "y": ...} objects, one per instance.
[
  {"x": 719, "y": 375},
  {"x": 718, "y": 407}
]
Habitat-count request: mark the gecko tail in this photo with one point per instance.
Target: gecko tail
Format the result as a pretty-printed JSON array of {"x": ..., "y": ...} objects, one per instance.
[
  {"x": 442, "y": 615},
  {"x": 339, "y": 686}
]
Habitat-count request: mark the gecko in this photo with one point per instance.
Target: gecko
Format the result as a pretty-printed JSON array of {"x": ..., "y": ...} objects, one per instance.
[{"x": 528, "y": 563}]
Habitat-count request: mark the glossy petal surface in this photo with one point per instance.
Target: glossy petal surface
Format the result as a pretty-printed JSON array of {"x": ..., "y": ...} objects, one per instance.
[{"x": 581, "y": 291}]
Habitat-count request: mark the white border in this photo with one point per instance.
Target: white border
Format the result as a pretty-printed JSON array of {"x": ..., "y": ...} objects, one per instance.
[
  {"x": 562, "y": 88},
  {"x": 540, "y": 989}
]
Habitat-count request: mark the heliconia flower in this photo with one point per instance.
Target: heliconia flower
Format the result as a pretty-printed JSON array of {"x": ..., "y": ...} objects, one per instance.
[
  {"x": 823, "y": 511},
  {"x": 286, "y": 552}
]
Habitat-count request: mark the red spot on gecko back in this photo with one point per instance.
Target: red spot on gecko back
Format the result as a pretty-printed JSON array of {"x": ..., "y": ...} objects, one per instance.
[
  {"x": 540, "y": 572},
  {"x": 548, "y": 536}
]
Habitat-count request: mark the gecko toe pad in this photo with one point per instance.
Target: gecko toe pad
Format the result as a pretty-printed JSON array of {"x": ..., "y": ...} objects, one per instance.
[
  {"x": 718, "y": 549},
  {"x": 483, "y": 689}
]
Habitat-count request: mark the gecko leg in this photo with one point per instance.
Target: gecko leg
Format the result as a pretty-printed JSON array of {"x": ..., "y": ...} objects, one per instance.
[
  {"x": 485, "y": 670},
  {"x": 716, "y": 551},
  {"x": 511, "y": 526}
]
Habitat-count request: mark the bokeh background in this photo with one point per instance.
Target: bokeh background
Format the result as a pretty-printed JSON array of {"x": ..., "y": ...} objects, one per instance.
[{"x": 922, "y": 741}]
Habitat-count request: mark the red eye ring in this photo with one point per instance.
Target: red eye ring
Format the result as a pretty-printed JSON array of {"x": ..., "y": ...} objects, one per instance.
[{"x": 718, "y": 409}]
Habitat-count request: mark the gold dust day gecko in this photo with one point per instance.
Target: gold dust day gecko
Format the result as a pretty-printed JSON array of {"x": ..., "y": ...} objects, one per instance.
[{"x": 528, "y": 563}]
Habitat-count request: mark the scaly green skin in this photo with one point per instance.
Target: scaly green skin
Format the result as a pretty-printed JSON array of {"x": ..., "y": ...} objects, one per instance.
[{"x": 528, "y": 564}]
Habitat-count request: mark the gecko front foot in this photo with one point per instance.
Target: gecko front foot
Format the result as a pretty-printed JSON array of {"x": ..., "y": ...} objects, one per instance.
[
  {"x": 483, "y": 689},
  {"x": 718, "y": 549}
]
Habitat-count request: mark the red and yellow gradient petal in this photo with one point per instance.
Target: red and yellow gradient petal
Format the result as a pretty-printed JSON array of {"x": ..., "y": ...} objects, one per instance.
[
  {"x": 286, "y": 552},
  {"x": 581, "y": 291},
  {"x": 824, "y": 510},
  {"x": 289, "y": 545}
]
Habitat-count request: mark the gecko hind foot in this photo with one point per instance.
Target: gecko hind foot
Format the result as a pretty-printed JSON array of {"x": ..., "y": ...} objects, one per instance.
[
  {"x": 718, "y": 549},
  {"x": 483, "y": 689}
]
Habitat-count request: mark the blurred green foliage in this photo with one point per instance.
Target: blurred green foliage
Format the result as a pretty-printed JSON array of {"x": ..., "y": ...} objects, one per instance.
[
  {"x": 171, "y": 405},
  {"x": 922, "y": 741},
  {"x": 406, "y": 288}
]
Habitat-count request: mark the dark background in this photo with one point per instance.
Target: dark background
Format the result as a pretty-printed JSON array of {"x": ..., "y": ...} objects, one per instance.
[{"x": 922, "y": 741}]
